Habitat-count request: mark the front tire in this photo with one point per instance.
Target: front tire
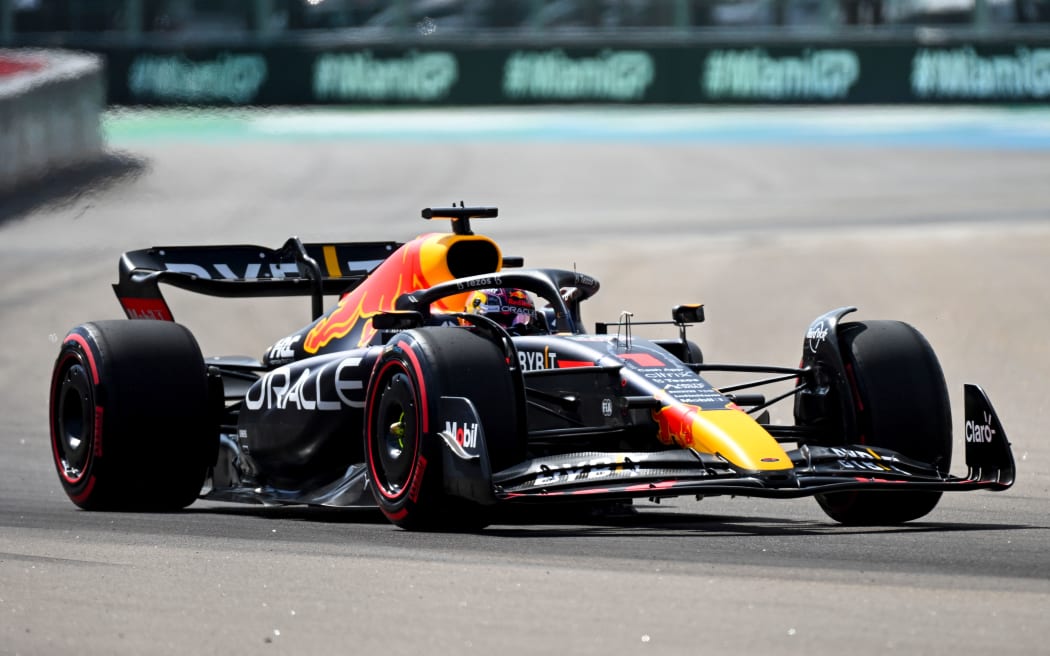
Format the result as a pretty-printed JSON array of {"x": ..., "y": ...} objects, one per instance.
[
  {"x": 901, "y": 403},
  {"x": 402, "y": 450},
  {"x": 131, "y": 422}
]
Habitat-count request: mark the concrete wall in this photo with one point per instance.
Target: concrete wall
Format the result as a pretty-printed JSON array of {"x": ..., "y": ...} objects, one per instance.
[{"x": 50, "y": 108}]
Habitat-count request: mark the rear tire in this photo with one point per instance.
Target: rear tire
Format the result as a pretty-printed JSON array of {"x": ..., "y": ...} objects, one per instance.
[
  {"x": 901, "y": 403},
  {"x": 402, "y": 450},
  {"x": 131, "y": 423}
]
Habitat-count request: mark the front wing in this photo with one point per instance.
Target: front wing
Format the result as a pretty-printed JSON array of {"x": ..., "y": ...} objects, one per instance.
[{"x": 816, "y": 469}]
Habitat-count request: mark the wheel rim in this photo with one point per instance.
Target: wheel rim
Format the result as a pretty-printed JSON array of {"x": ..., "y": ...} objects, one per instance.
[
  {"x": 73, "y": 423},
  {"x": 395, "y": 436}
]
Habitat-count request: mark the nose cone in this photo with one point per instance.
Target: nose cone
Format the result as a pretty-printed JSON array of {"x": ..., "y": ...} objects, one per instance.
[{"x": 730, "y": 433}]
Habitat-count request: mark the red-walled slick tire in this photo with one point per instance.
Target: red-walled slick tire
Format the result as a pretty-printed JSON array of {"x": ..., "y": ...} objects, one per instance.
[
  {"x": 131, "y": 423},
  {"x": 901, "y": 403},
  {"x": 402, "y": 449}
]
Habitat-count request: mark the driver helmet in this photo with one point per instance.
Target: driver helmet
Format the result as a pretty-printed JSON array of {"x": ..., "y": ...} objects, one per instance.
[{"x": 509, "y": 307}]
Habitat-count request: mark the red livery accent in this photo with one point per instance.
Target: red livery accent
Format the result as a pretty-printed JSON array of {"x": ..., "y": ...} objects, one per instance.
[
  {"x": 416, "y": 265},
  {"x": 642, "y": 359},
  {"x": 146, "y": 308},
  {"x": 662, "y": 485},
  {"x": 675, "y": 424},
  {"x": 567, "y": 364}
]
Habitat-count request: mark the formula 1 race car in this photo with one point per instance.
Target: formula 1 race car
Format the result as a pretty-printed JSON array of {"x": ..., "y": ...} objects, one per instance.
[{"x": 399, "y": 397}]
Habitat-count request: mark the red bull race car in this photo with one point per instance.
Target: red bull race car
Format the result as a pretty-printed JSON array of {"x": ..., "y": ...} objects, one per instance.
[{"x": 406, "y": 395}]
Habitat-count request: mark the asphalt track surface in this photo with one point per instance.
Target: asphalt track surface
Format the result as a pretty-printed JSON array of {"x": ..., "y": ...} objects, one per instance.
[{"x": 952, "y": 238}]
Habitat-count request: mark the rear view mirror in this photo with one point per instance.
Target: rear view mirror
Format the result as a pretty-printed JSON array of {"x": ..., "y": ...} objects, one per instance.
[{"x": 688, "y": 313}]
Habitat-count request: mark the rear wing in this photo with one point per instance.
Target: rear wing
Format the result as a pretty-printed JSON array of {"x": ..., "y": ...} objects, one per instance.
[{"x": 244, "y": 271}]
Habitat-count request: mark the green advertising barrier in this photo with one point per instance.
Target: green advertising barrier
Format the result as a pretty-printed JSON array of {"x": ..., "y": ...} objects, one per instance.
[{"x": 870, "y": 73}]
